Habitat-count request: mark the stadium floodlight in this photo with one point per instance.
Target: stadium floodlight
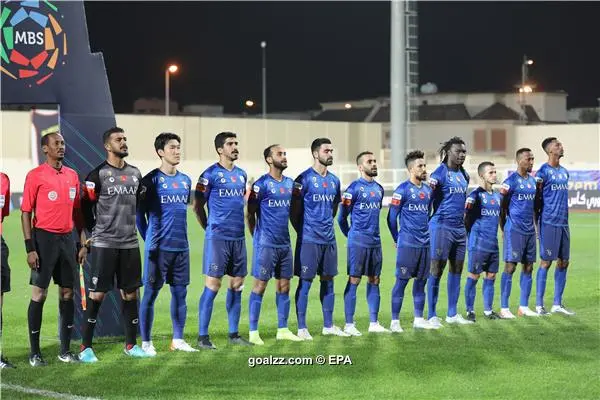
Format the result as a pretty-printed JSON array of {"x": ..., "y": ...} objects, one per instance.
[{"x": 171, "y": 69}]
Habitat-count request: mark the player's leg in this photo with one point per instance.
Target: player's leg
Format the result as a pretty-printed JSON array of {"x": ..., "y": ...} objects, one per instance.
[
  {"x": 529, "y": 256},
  {"x": 4, "y": 288},
  {"x": 475, "y": 267},
  {"x": 420, "y": 275},
  {"x": 65, "y": 278},
  {"x": 512, "y": 255},
  {"x": 456, "y": 259},
  {"x": 153, "y": 280},
  {"x": 237, "y": 271},
  {"x": 178, "y": 278},
  {"x": 439, "y": 251},
  {"x": 283, "y": 273},
  {"x": 356, "y": 264},
  {"x": 560, "y": 273},
  {"x": 492, "y": 265},
  {"x": 305, "y": 266},
  {"x": 549, "y": 244},
  {"x": 213, "y": 261},
  {"x": 407, "y": 259},
  {"x": 263, "y": 260},
  {"x": 327, "y": 269},
  {"x": 373, "y": 295}
]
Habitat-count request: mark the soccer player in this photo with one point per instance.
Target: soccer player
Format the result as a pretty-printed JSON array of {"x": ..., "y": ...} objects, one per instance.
[
  {"x": 553, "y": 226},
  {"x": 5, "y": 268},
  {"x": 109, "y": 206},
  {"x": 268, "y": 215},
  {"x": 449, "y": 183},
  {"x": 411, "y": 203},
  {"x": 517, "y": 222},
  {"x": 362, "y": 202},
  {"x": 162, "y": 223},
  {"x": 222, "y": 188},
  {"x": 482, "y": 211},
  {"x": 315, "y": 202},
  {"x": 50, "y": 209}
]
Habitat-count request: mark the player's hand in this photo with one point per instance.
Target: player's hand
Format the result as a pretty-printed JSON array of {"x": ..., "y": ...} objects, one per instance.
[
  {"x": 33, "y": 260},
  {"x": 81, "y": 256}
]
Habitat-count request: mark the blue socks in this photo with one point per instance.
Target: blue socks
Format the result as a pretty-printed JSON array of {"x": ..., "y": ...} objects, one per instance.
[
  {"x": 283, "y": 309},
  {"x": 327, "y": 302},
  {"x": 433, "y": 291},
  {"x": 233, "y": 305},
  {"x": 302, "y": 302},
  {"x": 373, "y": 299},
  {"x": 255, "y": 302},
  {"x": 488, "y": 294},
  {"x": 349, "y": 301},
  {"x": 560, "y": 280},
  {"x": 540, "y": 285},
  {"x": 398, "y": 297},
  {"x": 419, "y": 296},
  {"x": 453, "y": 293},
  {"x": 505, "y": 288},
  {"x": 205, "y": 307},
  {"x": 178, "y": 309},
  {"x": 470, "y": 291},
  {"x": 525, "y": 282},
  {"x": 147, "y": 312}
]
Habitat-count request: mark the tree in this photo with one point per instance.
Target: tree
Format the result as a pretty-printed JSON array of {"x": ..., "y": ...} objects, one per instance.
[{"x": 589, "y": 116}]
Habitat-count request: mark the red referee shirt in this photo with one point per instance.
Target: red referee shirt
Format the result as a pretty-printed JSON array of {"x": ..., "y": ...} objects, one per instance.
[
  {"x": 52, "y": 196},
  {"x": 4, "y": 197}
]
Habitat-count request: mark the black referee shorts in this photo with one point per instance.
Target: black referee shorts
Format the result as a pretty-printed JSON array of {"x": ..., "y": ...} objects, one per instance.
[
  {"x": 5, "y": 276},
  {"x": 109, "y": 263},
  {"x": 58, "y": 259}
]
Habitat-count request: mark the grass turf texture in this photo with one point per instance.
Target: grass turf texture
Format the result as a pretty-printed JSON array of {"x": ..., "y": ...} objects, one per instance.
[{"x": 551, "y": 357}]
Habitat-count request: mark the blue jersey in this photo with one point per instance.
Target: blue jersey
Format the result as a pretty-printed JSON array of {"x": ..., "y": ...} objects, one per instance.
[
  {"x": 521, "y": 192},
  {"x": 449, "y": 196},
  {"x": 555, "y": 195},
  {"x": 320, "y": 195},
  {"x": 412, "y": 204},
  {"x": 483, "y": 208},
  {"x": 162, "y": 210},
  {"x": 274, "y": 198},
  {"x": 362, "y": 201},
  {"x": 224, "y": 193}
]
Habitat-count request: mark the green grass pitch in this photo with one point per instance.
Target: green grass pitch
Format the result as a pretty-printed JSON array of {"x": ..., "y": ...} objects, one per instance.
[{"x": 553, "y": 357}]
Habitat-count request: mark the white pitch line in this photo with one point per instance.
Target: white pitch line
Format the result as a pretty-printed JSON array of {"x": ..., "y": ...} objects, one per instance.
[{"x": 45, "y": 393}]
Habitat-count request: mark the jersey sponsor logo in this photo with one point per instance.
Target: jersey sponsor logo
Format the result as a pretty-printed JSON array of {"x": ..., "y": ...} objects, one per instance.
[
  {"x": 174, "y": 198},
  {"x": 369, "y": 206},
  {"x": 120, "y": 189},
  {"x": 396, "y": 198},
  {"x": 317, "y": 197},
  {"x": 489, "y": 213},
  {"x": 52, "y": 195},
  {"x": 460, "y": 190},
  {"x": 559, "y": 186},
  {"x": 231, "y": 192},
  {"x": 418, "y": 207},
  {"x": 256, "y": 188},
  {"x": 72, "y": 193},
  {"x": 526, "y": 196},
  {"x": 278, "y": 203}
]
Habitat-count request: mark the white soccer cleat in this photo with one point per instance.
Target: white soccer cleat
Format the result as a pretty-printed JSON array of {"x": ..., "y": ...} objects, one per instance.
[
  {"x": 149, "y": 348},
  {"x": 506, "y": 314},
  {"x": 304, "y": 334},
  {"x": 255, "y": 338},
  {"x": 181, "y": 345},
  {"x": 422, "y": 323},
  {"x": 526, "y": 312},
  {"x": 334, "y": 331},
  {"x": 376, "y": 327},
  {"x": 458, "y": 319},
  {"x": 561, "y": 309},
  {"x": 541, "y": 311},
  {"x": 435, "y": 322},
  {"x": 395, "y": 326},
  {"x": 351, "y": 330},
  {"x": 286, "y": 334}
]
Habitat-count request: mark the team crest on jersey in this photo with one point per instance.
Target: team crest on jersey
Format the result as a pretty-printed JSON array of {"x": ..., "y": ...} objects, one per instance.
[
  {"x": 164, "y": 186},
  {"x": 111, "y": 179},
  {"x": 223, "y": 180},
  {"x": 364, "y": 194}
]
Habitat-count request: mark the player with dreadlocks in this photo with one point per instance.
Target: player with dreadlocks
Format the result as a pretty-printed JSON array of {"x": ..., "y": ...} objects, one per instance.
[{"x": 447, "y": 229}]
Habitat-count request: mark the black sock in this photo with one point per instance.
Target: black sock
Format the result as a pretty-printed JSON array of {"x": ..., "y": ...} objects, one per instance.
[
  {"x": 67, "y": 313},
  {"x": 93, "y": 307},
  {"x": 34, "y": 319},
  {"x": 130, "y": 315}
]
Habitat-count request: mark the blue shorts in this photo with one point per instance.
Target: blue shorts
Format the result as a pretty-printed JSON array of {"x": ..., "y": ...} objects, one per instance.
[
  {"x": 412, "y": 262},
  {"x": 172, "y": 267},
  {"x": 555, "y": 242},
  {"x": 480, "y": 261},
  {"x": 447, "y": 243},
  {"x": 224, "y": 257},
  {"x": 312, "y": 259},
  {"x": 519, "y": 247},
  {"x": 364, "y": 261},
  {"x": 268, "y": 262}
]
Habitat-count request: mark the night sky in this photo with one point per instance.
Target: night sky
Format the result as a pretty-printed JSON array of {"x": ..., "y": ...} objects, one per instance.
[{"x": 334, "y": 51}]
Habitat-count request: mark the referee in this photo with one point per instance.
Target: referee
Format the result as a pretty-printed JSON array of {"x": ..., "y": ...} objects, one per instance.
[
  {"x": 5, "y": 277},
  {"x": 50, "y": 209}
]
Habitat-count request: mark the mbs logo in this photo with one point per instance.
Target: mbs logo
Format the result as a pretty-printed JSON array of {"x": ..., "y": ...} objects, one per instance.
[{"x": 33, "y": 43}]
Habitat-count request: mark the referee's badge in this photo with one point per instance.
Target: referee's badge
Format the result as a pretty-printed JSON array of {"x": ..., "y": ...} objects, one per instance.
[{"x": 72, "y": 192}]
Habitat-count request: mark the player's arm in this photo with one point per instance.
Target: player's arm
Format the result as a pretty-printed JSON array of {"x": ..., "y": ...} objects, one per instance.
[
  {"x": 79, "y": 223},
  {"x": 297, "y": 205},
  {"x": 6, "y": 205},
  {"x": 253, "y": 205},
  {"x": 539, "y": 196},
  {"x": 471, "y": 210},
  {"x": 394, "y": 214},
  {"x": 337, "y": 199},
  {"x": 27, "y": 206},
  {"x": 91, "y": 192},
  {"x": 201, "y": 198},
  {"x": 143, "y": 196},
  {"x": 436, "y": 180},
  {"x": 506, "y": 192},
  {"x": 345, "y": 210}
]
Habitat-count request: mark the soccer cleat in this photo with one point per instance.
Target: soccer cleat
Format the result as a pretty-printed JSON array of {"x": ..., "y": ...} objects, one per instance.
[
  {"x": 5, "y": 364},
  {"x": 149, "y": 348},
  {"x": 491, "y": 315},
  {"x": 541, "y": 311},
  {"x": 68, "y": 357},
  {"x": 351, "y": 330},
  {"x": 136, "y": 351},
  {"x": 422, "y": 323},
  {"x": 88, "y": 356},
  {"x": 334, "y": 331},
  {"x": 376, "y": 327},
  {"x": 561, "y": 309},
  {"x": 304, "y": 334},
  {"x": 436, "y": 322},
  {"x": 181, "y": 345},
  {"x": 526, "y": 312},
  {"x": 506, "y": 314},
  {"x": 458, "y": 319},
  {"x": 204, "y": 343},
  {"x": 254, "y": 338},
  {"x": 286, "y": 334},
  {"x": 395, "y": 326},
  {"x": 36, "y": 360},
  {"x": 238, "y": 340},
  {"x": 471, "y": 316}
]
